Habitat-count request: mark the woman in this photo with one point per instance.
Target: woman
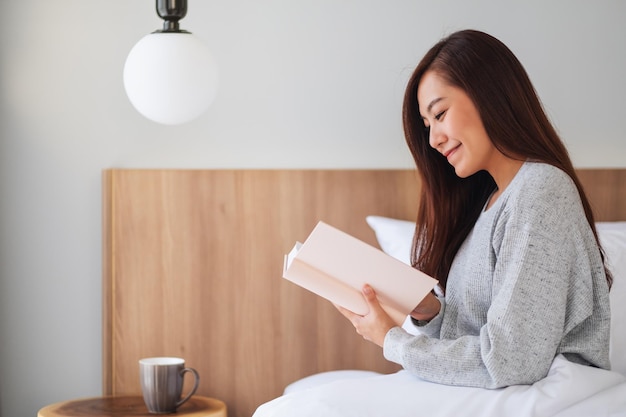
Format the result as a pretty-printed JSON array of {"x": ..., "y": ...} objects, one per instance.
[
  {"x": 503, "y": 224},
  {"x": 505, "y": 227}
]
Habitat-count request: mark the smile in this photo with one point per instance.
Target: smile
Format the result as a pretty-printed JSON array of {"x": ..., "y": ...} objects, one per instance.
[{"x": 449, "y": 153}]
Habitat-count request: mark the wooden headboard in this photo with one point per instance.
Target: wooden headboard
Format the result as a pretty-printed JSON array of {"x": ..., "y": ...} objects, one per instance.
[{"x": 192, "y": 266}]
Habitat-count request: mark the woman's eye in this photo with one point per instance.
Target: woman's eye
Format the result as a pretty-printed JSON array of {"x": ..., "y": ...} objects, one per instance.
[{"x": 439, "y": 115}]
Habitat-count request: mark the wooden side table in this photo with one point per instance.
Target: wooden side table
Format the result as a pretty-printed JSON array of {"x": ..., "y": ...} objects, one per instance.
[{"x": 130, "y": 406}]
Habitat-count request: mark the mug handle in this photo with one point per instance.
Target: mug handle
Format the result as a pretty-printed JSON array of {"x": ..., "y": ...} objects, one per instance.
[{"x": 195, "y": 384}]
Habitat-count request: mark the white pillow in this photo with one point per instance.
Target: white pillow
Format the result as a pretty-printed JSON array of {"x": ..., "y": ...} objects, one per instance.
[
  {"x": 613, "y": 239},
  {"x": 395, "y": 237}
]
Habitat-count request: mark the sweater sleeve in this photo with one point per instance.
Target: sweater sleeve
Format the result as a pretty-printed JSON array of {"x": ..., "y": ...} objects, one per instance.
[{"x": 535, "y": 247}]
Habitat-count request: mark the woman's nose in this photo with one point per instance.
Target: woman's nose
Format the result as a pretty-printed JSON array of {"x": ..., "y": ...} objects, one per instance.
[{"x": 435, "y": 137}]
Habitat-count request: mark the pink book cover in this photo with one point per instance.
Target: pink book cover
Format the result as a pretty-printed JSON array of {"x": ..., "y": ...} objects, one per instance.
[{"x": 336, "y": 265}]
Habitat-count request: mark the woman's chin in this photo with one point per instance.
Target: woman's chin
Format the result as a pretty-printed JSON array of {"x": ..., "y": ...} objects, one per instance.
[{"x": 461, "y": 172}]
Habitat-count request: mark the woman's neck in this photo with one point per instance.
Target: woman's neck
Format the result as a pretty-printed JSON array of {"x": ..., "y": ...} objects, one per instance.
[{"x": 503, "y": 173}]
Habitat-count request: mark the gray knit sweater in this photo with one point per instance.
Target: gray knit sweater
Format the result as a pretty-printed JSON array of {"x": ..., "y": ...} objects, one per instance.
[{"x": 526, "y": 285}]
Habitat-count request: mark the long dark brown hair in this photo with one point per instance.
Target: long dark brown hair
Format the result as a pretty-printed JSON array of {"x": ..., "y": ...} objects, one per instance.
[{"x": 514, "y": 120}]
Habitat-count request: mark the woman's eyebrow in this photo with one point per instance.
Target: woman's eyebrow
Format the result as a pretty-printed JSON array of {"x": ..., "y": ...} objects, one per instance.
[{"x": 432, "y": 103}]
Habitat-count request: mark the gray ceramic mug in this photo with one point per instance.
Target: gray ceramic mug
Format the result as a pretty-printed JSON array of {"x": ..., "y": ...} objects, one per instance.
[{"x": 162, "y": 383}]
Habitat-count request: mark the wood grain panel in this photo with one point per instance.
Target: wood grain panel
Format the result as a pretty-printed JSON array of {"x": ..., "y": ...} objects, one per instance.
[
  {"x": 193, "y": 265},
  {"x": 606, "y": 191}
]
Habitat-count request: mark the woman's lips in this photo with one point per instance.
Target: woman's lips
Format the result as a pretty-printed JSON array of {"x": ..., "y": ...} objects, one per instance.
[{"x": 451, "y": 152}]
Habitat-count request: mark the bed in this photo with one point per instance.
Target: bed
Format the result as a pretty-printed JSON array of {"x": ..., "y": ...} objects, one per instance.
[{"x": 192, "y": 263}]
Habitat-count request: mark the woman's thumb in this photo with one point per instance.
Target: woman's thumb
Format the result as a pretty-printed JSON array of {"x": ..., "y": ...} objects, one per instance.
[{"x": 369, "y": 294}]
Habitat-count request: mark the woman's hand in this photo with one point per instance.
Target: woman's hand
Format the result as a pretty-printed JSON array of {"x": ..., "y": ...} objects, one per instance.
[
  {"x": 374, "y": 325},
  {"x": 427, "y": 309}
]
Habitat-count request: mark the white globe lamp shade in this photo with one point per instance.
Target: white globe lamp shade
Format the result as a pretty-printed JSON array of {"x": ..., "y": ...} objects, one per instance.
[{"x": 170, "y": 77}]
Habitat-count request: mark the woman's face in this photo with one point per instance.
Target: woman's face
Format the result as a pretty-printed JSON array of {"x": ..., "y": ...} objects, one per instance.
[{"x": 455, "y": 127}]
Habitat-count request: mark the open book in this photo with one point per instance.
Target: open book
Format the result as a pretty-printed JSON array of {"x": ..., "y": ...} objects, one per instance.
[{"x": 336, "y": 266}]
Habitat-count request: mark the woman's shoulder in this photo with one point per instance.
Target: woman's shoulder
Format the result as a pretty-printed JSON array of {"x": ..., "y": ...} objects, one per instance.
[
  {"x": 545, "y": 178},
  {"x": 543, "y": 190}
]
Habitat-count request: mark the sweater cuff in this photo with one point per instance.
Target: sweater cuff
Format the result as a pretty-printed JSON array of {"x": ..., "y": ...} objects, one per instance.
[{"x": 393, "y": 344}]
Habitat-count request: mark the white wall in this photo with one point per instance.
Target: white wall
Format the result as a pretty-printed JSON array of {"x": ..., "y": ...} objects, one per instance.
[{"x": 307, "y": 83}]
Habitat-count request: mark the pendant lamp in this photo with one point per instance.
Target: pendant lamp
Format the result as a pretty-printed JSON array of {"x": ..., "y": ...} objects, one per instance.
[{"x": 170, "y": 76}]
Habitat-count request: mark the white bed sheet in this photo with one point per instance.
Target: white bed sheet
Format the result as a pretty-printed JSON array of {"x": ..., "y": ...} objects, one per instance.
[{"x": 569, "y": 390}]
